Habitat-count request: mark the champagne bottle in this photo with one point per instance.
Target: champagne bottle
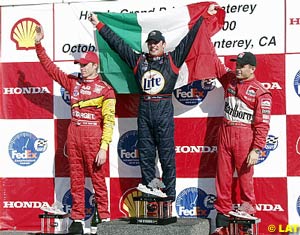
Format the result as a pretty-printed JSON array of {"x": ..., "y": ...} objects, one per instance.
[{"x": 95, "y": 220}]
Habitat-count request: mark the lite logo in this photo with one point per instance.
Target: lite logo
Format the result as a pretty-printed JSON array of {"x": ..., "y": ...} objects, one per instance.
[{"x": 152, "y": 82}]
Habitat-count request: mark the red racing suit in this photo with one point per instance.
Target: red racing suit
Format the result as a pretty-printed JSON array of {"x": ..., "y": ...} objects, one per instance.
[
  {"x": 91, "y": 127},
  {"x": 245, "y": 127}
]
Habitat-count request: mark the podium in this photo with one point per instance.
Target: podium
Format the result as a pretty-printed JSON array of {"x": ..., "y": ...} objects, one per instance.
[
  {"x": 237, "y": 224},
  {"x": 152, "y": 210}
]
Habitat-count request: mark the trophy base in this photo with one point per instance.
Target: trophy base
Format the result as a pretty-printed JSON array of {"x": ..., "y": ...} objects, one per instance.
[
  {"x": 152, "y": 210},
  {"x": 154, "y": 221},
  {"x": 52, "y": 224},
  {"x": 237, "y": 224}
]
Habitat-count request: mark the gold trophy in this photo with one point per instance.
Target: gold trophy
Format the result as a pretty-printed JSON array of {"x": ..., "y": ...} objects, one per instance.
[{"x": 154, "y": 206}]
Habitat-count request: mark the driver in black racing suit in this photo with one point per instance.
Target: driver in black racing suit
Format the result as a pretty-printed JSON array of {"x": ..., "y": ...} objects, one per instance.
[{"x": 157, "y": 73}]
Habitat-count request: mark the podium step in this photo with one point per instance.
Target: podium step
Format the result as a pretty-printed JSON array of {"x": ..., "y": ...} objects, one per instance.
[{"x": 183, "y": 226}]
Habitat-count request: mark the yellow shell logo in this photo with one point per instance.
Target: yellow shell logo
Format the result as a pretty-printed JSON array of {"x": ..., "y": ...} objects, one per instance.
[
  {"x": 128, "y": 206},
  {"x": 23, "y": 33}
]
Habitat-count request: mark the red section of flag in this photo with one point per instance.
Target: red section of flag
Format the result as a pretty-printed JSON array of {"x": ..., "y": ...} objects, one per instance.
[{"x": 202, "y": 56}]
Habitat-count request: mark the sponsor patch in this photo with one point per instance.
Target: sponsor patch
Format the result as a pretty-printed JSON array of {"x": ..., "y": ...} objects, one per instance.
[
  {"x": 266, "y": 103},
  {"x": 98, "y": 88},
  {"x": 231, "y": 91},
  {"x": 251, "y": 91},
  {"x": 266, "y": 111},
  {"x": 271, "y": 145}
]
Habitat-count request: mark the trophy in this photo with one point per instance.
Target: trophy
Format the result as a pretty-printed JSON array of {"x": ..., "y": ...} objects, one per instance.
[
  {"x": 242, "y": 220},
  {"x": 54, "y": 220},
  {"x": 154, "y": 206}
]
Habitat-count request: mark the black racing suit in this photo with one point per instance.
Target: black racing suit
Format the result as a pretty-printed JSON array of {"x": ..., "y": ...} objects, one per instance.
[{"x": 156, "y": 77}]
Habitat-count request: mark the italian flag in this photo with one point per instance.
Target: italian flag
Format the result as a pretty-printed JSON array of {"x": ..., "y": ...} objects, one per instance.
[{"x": 174, "y": 24}]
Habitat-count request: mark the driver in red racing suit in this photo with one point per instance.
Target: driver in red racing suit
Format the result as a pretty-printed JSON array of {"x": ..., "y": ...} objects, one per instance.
[
  {"x": 242, "y": 135},
  {"x": 90, "y": 130}
]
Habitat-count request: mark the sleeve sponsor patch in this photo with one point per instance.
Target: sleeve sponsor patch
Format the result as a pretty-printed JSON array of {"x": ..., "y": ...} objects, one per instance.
[{"x": 266, "y": 103}]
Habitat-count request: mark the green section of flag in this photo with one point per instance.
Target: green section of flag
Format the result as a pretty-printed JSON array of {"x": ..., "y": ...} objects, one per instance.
[{"x": 113, "y": 69}]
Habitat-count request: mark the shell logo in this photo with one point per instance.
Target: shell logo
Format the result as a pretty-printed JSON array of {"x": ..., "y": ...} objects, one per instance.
[
  {"x": 129, "y": 207},
  {"x": 23, "y": 33}
]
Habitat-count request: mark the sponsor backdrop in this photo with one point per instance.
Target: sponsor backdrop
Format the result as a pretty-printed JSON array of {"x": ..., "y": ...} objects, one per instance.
[{"x": 35, "y": 112}]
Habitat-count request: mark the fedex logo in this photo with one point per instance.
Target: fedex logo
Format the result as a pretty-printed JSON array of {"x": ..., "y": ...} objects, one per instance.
[
  {"x": 27, "y": 154},
  {"x": 194, "y": 92}
]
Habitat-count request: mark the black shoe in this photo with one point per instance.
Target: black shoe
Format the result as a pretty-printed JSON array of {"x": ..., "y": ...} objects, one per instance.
[
  {"x": 76, "y": 228},
  {"x": 222, "y": 220}
]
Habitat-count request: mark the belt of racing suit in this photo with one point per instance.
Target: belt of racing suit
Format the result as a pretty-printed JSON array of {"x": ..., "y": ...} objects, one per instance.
[
  {"x": 78, "y": 122},
  {"x": 231, "y": 123},
  {"x": 156, "y": 98}
]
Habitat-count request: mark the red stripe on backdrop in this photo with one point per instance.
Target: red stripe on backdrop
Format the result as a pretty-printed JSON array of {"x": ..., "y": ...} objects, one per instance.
[
  {"x": 22, "y": 200},
  {"x": 272, "y": 208},
  {"x": 27, "y": 91},
  {"x": 196, "y": 146}
]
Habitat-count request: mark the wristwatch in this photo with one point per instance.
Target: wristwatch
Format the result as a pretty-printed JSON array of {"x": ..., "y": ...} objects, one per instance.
[{"x": 258, "y": 151}]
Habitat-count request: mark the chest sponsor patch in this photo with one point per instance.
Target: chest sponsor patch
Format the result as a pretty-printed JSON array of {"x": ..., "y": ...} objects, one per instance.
[
  {"x": 152, "y": 82},
  {"x": 251, "y": 91}
]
